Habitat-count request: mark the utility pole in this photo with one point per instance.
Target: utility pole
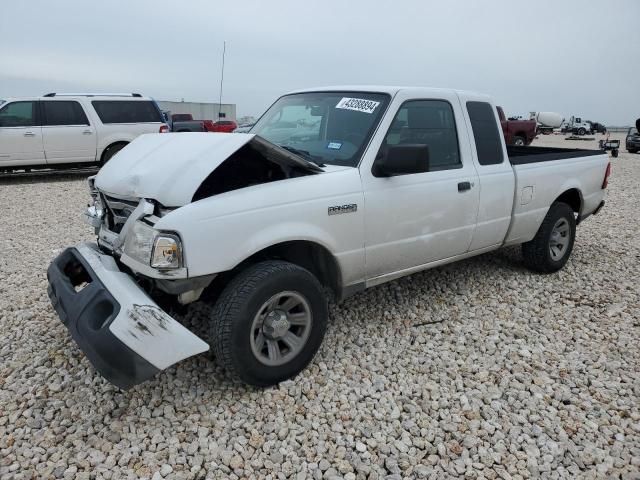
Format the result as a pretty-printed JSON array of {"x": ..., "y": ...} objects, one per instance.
[{"x": 224, "y": 49}]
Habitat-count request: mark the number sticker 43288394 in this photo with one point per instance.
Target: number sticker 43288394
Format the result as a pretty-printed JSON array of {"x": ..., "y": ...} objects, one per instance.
[{"x": 357, "y": 104}]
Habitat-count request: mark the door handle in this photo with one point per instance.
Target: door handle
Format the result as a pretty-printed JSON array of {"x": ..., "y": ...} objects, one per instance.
[
  {"x": 87, "y": 132},
  {"x": 29, "y": 134},
  {"x": 463, "y": 186}
]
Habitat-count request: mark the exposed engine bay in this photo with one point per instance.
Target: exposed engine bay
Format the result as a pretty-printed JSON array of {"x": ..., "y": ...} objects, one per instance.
[{"x": 253, "y": 164}]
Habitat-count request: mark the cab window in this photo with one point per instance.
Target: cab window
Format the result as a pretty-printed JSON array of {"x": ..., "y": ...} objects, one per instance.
[
  {"x": 19, "y": 114},
  {"x": 64, "y": 113},
  {"x": 431, "y": 123},
  {"x": 127, "y": 111}
]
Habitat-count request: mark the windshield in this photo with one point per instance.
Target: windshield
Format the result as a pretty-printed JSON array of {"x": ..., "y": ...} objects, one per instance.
[{"x": 324, "y": 127}]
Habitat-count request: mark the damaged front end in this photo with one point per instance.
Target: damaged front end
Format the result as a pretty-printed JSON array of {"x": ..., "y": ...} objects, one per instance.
[
  {"x": 106, "y": 293},
  {"x": 155, "y": 176},
  {"x": 125, "y": 229},
  {"x": 127, "y": 337}
]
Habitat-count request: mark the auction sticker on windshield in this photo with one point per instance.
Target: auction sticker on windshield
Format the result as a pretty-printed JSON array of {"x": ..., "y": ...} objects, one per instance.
[{"x": 357, "y": 104}]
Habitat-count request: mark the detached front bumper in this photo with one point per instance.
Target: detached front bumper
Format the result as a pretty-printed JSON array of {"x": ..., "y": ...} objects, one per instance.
[{"x": 123, "y": 333}]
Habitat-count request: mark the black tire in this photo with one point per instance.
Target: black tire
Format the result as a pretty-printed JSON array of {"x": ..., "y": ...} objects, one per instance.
[
  {"x": 614, "y": 153},
  {"x": 519, "y": 141},
  {"x": 632, "y": 150},
  {"x": 111, "y": 150},
  {"x": 232, "y": 323},
  {"x": 581, "y": 131},
  {"x": 537, "y": 253}
]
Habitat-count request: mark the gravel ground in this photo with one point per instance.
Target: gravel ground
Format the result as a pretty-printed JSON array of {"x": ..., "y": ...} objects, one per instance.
[{"x": 525, "y": 376}]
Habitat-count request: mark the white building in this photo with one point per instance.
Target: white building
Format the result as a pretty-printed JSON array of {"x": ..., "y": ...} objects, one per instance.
[{"x": 199, "y": 110}]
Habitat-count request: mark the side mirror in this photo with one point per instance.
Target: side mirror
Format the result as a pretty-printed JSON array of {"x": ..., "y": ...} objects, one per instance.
[{"x": 402, "y": 160}]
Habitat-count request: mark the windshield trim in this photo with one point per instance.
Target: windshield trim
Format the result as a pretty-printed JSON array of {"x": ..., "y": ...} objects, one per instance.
[{"x": 365, "y": 144}]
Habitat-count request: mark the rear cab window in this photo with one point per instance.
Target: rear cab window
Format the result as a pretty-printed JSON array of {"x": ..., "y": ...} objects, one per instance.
[
  {"x": 127, "y": 111},
  {"x": 485, "y": 133},
  {"x": 63, "y": 112}
]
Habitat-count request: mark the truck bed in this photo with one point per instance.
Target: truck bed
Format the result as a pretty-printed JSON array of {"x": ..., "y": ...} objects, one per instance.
[
  {"x": 542, "y": 174},
  {"x": 524, "y": 155}
]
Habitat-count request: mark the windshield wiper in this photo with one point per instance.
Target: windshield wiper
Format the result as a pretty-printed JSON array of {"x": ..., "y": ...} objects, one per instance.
[{"x": 304, "y": 154}]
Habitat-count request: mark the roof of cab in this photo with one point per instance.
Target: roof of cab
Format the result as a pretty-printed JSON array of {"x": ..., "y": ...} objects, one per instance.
[{"x": 391, "y": 90}]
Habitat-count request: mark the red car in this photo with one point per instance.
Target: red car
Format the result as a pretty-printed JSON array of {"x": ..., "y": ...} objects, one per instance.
[
  {"x": 224, "y": 126},
  {"x": 184, "y": 122},
  {"x": 517, "y": 132}
]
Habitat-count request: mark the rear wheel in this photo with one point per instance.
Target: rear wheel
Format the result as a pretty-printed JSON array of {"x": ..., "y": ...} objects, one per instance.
[
  {"x": 111, "y": 150},
  {"x": 550, "y": 249},
  {"x": 518, "y": 141},
  {"x": 269, "y": 322},
  {"x": 581, "y": 131},
  {"x": 614, "y": 153}
]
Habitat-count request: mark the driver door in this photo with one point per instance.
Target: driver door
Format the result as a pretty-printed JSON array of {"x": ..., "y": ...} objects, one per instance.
[
  {"x": 415, "y": 219},
  {"x": 20, "y": 135}
]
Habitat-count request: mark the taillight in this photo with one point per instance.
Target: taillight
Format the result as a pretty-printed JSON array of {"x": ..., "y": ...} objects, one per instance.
[
  {"x": 164, "y": 128},
  {"x": 605, "y": 182}
]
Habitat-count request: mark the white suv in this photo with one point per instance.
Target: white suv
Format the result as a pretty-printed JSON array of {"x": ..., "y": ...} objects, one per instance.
[{"x": 59, "y": 129}]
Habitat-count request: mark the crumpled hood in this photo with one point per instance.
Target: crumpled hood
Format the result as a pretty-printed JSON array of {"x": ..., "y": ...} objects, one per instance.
[{"x": 169, "y": 167}]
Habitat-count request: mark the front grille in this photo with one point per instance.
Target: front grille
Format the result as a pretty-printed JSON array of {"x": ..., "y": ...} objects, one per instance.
[{"x": 117, "y": 211}]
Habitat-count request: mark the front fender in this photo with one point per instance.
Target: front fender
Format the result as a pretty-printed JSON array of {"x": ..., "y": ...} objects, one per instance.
[
  {"x": 220, "y": 232},
  {"x": 285, "y": 232},
  {"x": 220, "y": 246}
]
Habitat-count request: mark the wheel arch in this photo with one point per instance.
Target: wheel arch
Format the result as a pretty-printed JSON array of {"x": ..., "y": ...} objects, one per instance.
[
  {"x": 305, "y": 253},
  {"x": 573, "y": 198},
  {"x": 112, "y": 144}
]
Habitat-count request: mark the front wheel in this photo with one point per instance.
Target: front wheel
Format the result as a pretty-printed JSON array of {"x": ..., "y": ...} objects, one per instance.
[
  {"x": 632, "y": 150},
  {"x": 550, "y": 249},
  {"x": 581, "y": 131},
  {"x": 269, "y": 322}
]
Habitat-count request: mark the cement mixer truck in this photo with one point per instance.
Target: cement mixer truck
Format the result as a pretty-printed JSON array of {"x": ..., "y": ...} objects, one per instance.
[{"x": 546, "y": 121}]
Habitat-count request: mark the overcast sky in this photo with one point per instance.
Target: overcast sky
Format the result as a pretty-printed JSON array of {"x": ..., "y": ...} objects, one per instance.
[{"x": 577, "y": 58}]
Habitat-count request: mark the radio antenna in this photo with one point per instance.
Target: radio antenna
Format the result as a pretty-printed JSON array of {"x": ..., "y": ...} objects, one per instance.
[{"x": 224, "y": 49}]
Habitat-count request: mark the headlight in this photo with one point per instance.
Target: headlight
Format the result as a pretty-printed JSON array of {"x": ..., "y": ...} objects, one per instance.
[
  {"x": 167, "y": 252},
  {"x": 150, "y": 247},
  {"x": 139, "y": 242}
]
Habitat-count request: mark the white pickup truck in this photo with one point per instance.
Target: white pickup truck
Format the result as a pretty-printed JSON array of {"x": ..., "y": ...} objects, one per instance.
[{"x": 332, "y": 191}]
